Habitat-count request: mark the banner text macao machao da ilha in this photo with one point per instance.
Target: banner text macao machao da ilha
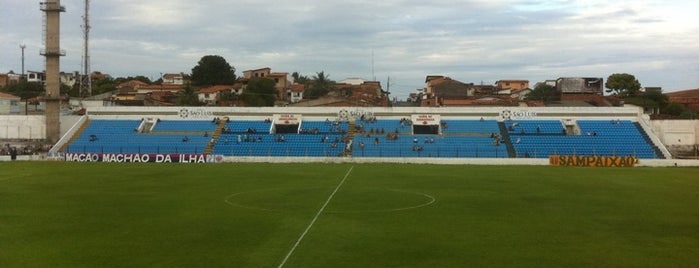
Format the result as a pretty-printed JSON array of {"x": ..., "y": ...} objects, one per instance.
[
  {"x": 143, "y": 158},
  {"x": 592, "y": 161}
]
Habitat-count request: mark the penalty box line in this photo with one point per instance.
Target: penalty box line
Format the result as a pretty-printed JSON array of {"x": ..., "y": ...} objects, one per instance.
[{"x": 320, "y": 211}]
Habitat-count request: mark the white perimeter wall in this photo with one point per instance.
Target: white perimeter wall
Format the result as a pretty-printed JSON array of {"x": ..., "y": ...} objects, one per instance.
[
  {"x": 675, "y": 133},
  {"x": 22, "y": 127}
]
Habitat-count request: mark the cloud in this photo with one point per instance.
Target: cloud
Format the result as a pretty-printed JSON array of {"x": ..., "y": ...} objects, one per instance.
[{"x": 468, "y": 40}]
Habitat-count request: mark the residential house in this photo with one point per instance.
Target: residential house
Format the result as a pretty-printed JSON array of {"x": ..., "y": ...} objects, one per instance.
[
  {"x": 353, "y": 81},
  {"x": 212, "y": 95},
  {"x": 520, "y": 94},
  {"x": 296, "y": 92},
  {"x": 512, "y": 84},
  {"x": 175, "y": 78},
  {"x": 69, "y": 79},
  {"x": 127, "y": 91},
  {"x": 441, "y": 88},
  {"x": 9, "y": 104},
  {"x": 281, "y": 81},
  {"x": 580, "y": 85},
  {"x": 688, "y": 98},
  {"x": 368, "y": 94},
  {"x": 551, "y": 83},
  {"x": 259, "y": 73},
  {"x": 582, "y": 89},
  {"x": 146, "y": 89},
  {"x": 9, "y": 79},
  {"x": 35, "y": 77},
  {"x": 484, "y": 90}
]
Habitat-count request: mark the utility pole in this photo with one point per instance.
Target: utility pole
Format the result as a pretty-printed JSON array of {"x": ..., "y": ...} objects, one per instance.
[
  {"x": 86, "y": 79},
  {"x": 22, "y": 46}
]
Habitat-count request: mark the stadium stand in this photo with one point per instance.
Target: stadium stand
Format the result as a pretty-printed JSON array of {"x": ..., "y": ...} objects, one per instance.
[
  {"x": 541, "y": 138},
  {"x": 391, "y": 135},
  {"x": 121, "y": 136}
]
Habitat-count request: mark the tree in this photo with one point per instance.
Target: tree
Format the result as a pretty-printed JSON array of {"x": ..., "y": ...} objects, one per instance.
[
  {"x": 545, "y": 93},
  {"x": 141, "y": 78},
  {"x": 259, "y": 92},
  {"x": 213, "y": 70},
  {"x": 320, "y": 85},
  {"x": 187, "y": 96},
  {"x": 622, "y": 85},
  {"x": 102, "y": 85},
  {"x": 652, "y": 99},
  {"x": 25, "y": 90},
  {"x": 300, "y": 79}
]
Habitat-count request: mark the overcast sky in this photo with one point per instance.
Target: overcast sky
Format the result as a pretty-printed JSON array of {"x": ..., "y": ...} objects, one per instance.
[{"x": 478, "y": 41}]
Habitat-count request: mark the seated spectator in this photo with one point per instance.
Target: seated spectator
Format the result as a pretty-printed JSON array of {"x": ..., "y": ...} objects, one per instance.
[
  {"x": 93, "y": 137},
  {"x": 185, "y": 139}
]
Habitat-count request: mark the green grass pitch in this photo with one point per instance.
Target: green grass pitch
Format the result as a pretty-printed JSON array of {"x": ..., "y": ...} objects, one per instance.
[{"x": 55, "y": 214}]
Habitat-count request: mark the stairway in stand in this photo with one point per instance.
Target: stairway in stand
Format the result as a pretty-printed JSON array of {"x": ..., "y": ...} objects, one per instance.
[
  {"x": 351, "y": 130},
  {"x": 75, "y": 135},
  {"x": 214, "y": 136},
  {"x": 658, "y": 152},
  {"x": 506, "y": 136}
]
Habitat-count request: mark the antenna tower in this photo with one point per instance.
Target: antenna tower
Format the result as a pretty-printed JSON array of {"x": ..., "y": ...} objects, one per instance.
[{"x": 85, "y": 78}]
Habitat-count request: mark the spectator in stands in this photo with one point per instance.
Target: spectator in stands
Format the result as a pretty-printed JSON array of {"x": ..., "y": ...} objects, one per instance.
[
  {"x": 518, "y": 140},
  {"x": 538, "y": 129},
  {"x": 361, "y": 145},
  {"x": 185, "y": 139},
  {"x": 376, "y": 141},
  {"x": 415, "y": 140},
  {"x": 206, "y": 134},
  {"x": 93, "y": 137}
]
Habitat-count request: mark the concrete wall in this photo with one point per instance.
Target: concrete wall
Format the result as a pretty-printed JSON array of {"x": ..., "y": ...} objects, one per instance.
[
  {"x": 22, "y": 127},
  {"x": 677, "y": 132},
  {"x": 681, "y": 137}
]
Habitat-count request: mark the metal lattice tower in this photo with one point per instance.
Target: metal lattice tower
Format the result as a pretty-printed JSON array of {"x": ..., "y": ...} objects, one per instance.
[
  {"x": 52, "y": 53},
  {"x": 85, "y": 78}
]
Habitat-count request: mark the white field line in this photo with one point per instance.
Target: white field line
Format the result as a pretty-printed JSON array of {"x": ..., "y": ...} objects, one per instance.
[{"x": 291, "y": 251}]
